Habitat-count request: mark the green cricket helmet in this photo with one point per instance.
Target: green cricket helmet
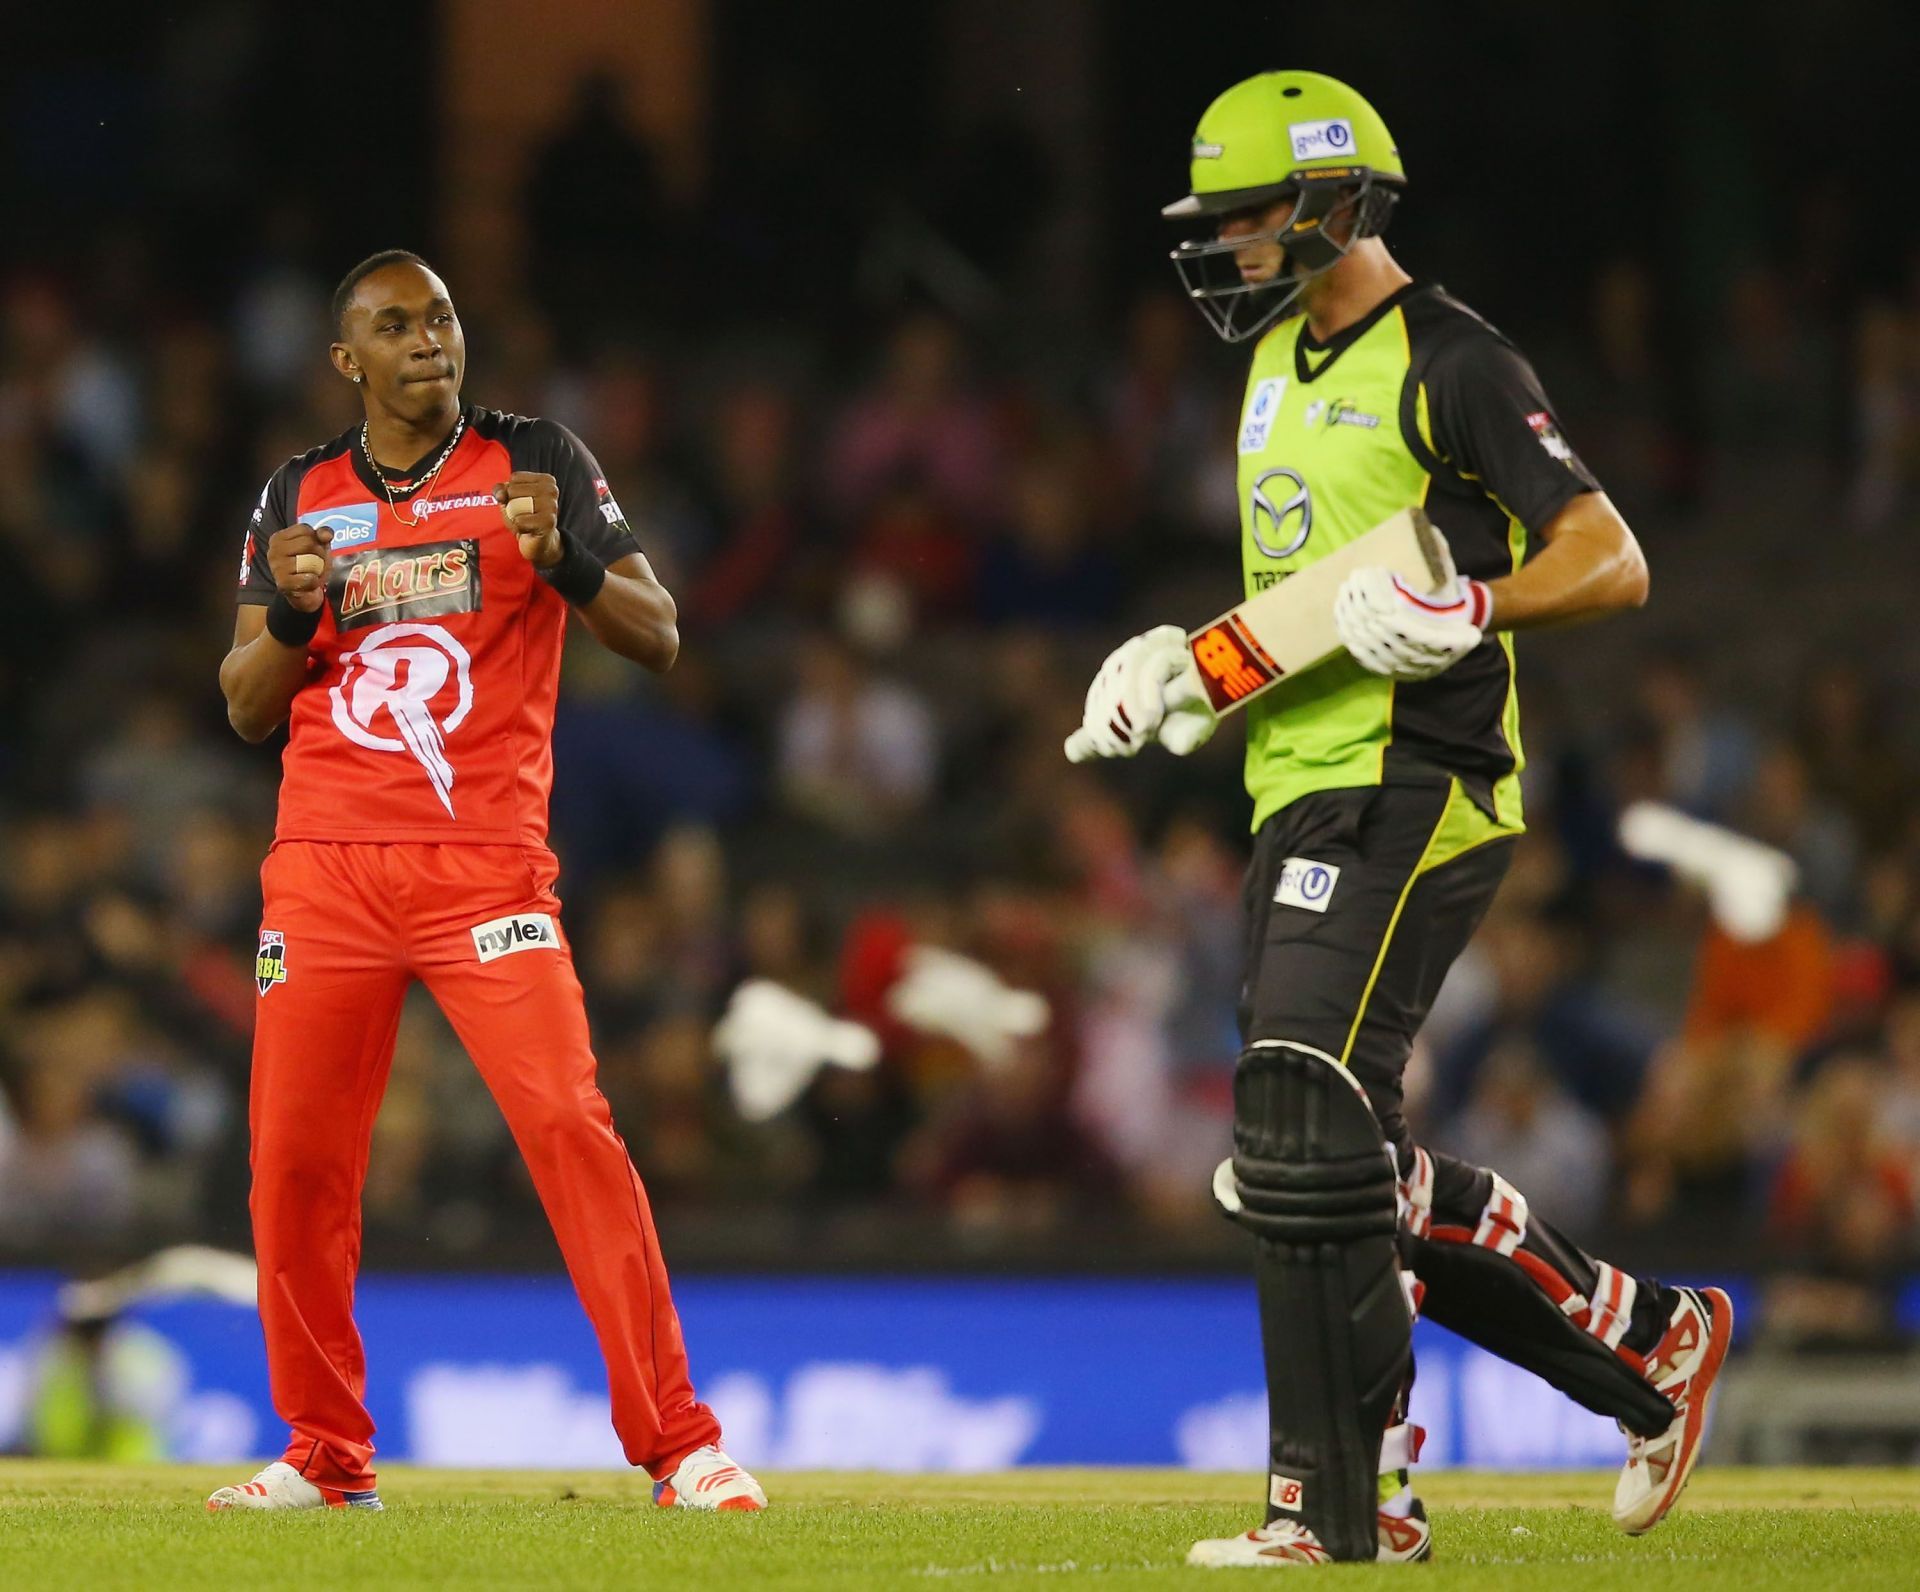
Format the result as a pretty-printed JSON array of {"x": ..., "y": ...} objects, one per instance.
[{"x": 1278, "y": 136}]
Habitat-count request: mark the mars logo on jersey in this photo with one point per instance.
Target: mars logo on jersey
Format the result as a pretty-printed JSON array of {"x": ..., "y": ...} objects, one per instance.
[
  {"x": 392, "y": 696},
  {"x": 425, "y": 581},
  {"x": 270, "y": 966}
]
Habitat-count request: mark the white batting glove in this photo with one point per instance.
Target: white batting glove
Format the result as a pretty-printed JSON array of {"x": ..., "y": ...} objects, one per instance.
[
  {"x": 1393, "y": 630},
  {"x": 1128, "y": 702},
  {"x": 1148, "y": 689},
  {"x": 1190, "y": 720}
]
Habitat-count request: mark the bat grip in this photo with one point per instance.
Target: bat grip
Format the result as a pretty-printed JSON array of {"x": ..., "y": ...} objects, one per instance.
[{"x": 1433, "y": 549}]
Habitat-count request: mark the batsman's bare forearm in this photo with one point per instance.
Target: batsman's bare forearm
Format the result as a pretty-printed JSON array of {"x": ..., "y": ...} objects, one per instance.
[
  {"x": 1590, "y": 565},
  {"x": 635, "y": 616},
  {"x": 259, "y": 676}
]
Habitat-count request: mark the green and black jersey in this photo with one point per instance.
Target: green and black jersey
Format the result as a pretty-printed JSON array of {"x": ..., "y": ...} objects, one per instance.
[{"x": 1420, "y": 402}]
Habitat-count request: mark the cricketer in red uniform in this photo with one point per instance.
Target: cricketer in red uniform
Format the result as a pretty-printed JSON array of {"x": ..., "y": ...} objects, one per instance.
[{"x": 411, "y": 844}]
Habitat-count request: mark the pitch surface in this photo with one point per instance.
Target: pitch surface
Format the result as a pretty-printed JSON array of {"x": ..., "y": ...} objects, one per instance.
[{"x": 108, "y": 1527}]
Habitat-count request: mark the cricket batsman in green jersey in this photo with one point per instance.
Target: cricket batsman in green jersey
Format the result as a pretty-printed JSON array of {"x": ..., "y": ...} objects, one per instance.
[{"x": 1386, "y": 802}]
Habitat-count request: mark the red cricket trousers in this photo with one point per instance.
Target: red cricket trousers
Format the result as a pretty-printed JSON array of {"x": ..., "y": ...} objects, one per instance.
[{"x": 346, "y": 929}]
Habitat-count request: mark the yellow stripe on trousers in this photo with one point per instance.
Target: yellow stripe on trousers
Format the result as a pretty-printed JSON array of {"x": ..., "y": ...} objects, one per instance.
[{"x": 1386, "y": 940}]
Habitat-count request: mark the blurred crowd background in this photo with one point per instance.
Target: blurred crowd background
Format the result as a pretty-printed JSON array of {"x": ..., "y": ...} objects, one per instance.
[{"x": 897, "y": 390}]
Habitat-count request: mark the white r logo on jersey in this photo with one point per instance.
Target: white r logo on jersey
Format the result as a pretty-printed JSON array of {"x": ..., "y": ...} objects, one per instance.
[{"x": 400, "y": 671}]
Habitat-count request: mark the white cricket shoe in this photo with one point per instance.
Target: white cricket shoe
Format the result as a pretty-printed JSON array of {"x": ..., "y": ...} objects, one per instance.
[
  {"x": 707, "y": 1479},
  {"x": 1284, "y": 1543},
  {"x": 1683, "y": 1365},
  {"x": 280, "y": 1486},
  {"x": 1403, "y": 1540}
]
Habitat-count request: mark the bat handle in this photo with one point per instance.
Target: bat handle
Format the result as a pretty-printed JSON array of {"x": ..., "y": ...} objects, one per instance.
[
  {"x": 518, "y": 506},
  {"x": 1434, "y": 549}
]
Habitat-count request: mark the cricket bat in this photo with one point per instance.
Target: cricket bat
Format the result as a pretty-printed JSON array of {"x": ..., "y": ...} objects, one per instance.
[{"x": 1289, "y": 626}]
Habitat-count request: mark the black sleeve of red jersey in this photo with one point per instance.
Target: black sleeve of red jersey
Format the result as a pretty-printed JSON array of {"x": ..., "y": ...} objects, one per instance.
[
  {"x": 274, "y": 512},
  {"x": 1491, "y": 420},
  {"x": 588, "y": 512}
]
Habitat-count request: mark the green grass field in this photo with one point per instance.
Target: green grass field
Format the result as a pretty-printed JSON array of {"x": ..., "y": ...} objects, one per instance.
[{"x": 104, "y": 1527}]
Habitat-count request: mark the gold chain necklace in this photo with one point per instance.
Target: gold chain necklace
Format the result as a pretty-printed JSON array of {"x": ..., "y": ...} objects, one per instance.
[{"x": 426, "y": 481}]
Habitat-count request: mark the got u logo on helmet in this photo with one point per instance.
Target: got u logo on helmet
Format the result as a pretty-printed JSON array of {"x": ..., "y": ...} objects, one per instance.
[{"x": 1317, "y": 140}]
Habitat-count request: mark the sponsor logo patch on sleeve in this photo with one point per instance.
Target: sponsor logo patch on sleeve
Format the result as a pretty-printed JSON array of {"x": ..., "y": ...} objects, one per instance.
[
  {"x": 609, "y": 509},
  {"x": 1548, "y": 432}
]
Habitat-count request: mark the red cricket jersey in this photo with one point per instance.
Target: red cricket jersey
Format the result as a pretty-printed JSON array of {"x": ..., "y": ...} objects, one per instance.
[{"x": 428, "y": 709}]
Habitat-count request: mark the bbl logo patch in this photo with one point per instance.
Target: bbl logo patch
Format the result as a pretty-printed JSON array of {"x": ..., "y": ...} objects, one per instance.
[
  {"x": 609, "y": 510},
  {"x": 270, "y": 966},
  {"x": 1549, "y": 434}
]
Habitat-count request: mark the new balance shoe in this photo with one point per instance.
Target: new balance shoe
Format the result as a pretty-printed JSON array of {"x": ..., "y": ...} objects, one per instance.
[
  {"x": 1404, "y": 1539},
  {"x": 1272, "y": 1547},
  {"x": 1683, "y": 1365},
  {"x": 707, "y": 1479},
  {"x": 280, "y": 1486}
]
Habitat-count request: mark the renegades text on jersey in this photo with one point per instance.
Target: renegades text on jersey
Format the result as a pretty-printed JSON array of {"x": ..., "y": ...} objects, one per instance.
[{"x": 428, "y": 709}]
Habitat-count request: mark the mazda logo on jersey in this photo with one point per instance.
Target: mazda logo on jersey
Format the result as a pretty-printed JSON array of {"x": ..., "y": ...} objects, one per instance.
[
  {"x": 1276, "y": 515},
  {"x": 421, "y": 582}
]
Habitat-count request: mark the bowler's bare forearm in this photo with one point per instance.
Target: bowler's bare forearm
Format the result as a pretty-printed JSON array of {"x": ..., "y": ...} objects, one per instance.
[
  {"x": 635, "y": 616},
  {"x": 1590, "y": 565},
  {"x": 259, "y": 676}
]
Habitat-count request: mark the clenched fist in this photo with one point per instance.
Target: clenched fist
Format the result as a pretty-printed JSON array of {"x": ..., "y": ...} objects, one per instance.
[
  {"x": 530, "y": 504},
  {"x": 297, "y": 558},
  {"x": 1392, "y": 630},
  {"x": 1147, "y": 690}
]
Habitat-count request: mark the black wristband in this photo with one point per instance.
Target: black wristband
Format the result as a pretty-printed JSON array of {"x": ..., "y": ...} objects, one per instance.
[
  {"x": 287, "y": 625},
  {"x": 576, "y": 575}
]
